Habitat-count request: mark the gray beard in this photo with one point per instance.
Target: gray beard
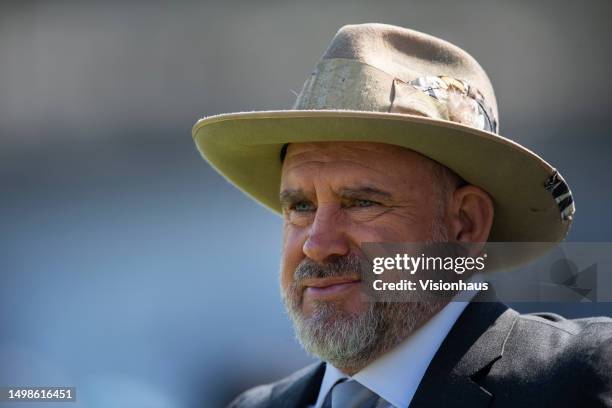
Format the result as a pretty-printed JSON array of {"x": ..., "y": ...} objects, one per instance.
[{"x": 350, "y": 341}]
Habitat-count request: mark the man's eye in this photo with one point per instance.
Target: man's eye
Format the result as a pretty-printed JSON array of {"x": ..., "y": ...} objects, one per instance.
[
  {"x": 364, "y": 203},
  {"x": 302, "y": 206}
]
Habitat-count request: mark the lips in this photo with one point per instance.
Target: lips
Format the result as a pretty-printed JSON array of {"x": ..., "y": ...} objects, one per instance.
[{"x": 330, "y": 287}]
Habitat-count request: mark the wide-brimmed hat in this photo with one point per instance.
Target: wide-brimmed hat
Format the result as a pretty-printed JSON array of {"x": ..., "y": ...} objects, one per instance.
[{"x": 388, "y": 84}]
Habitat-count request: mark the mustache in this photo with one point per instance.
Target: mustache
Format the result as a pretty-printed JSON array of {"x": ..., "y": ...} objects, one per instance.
[{"x": 335, "y": 266}]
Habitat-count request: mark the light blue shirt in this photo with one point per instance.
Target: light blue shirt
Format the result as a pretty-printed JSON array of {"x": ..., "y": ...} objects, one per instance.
[{"x": 396, "y": 375}]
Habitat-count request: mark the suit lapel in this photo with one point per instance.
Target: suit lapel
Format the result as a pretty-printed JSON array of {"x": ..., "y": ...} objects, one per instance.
[
  {"x": 473, "y": 345},
  {"x": 300, "y": 391}
]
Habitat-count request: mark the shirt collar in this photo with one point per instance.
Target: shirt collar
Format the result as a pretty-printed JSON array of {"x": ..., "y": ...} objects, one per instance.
[
  {"x": 330, "y": 378},
  {"x": 396, "y": 375}
]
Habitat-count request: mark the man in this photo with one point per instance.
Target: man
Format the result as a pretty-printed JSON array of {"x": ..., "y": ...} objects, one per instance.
[{"x": 394, "y": 139}]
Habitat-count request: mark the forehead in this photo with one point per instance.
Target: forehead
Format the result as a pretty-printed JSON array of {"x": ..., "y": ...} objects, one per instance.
[{"x": 305, "y": 160}]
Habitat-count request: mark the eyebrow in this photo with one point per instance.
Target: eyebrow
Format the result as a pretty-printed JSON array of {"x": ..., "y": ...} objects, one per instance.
[
  {"x": 361, "y": 191},
  {"x": 290, "y": 196}
]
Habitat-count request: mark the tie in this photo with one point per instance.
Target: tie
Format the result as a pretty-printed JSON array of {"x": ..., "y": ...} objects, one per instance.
[{"x": 350, "y": 394}]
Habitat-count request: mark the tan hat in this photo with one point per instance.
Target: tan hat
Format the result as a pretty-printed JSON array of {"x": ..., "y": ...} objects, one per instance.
[{"x": 388, "y": 84}]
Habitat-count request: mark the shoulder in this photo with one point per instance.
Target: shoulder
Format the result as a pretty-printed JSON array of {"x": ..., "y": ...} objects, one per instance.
[
  {"x": 255, "y": 397},
  {"x": 551, "y": 333},
  {"x": 546, "y": 350},
  {"x": 262, "y": 395}
]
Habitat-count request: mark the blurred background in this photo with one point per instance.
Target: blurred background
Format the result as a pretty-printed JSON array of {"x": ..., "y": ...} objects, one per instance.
[{"x": 130, "y": 269}]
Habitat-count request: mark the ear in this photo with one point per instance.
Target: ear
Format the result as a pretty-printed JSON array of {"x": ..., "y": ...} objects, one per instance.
[{"x": 470, "y": 214}]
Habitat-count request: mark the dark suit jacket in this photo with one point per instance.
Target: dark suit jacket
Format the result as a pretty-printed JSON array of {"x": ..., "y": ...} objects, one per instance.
[{"x": 492, "y": 357}]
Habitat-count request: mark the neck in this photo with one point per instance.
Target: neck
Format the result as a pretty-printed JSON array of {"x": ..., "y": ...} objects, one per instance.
[{"x": 350, "y": 371}]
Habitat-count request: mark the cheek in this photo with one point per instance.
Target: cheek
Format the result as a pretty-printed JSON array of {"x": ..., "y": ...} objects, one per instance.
[{"x": 292, "y": 255}]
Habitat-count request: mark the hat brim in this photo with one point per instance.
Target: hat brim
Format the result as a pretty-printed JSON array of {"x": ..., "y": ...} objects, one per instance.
[{"x": 245, "y": 149}]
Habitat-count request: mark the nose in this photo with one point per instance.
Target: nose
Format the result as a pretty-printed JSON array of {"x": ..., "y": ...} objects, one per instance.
[{"x": 327, "y": 235}]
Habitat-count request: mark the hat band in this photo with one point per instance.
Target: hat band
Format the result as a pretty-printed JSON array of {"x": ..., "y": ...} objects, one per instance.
[{"x": 346, "y": 84}]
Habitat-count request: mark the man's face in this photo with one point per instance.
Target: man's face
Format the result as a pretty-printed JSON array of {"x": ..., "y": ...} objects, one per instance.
[{"x": 335, "y": 196}]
